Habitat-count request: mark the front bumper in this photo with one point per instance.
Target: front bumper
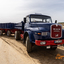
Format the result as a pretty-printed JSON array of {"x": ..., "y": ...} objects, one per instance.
[{"x": 48, "y": 42}]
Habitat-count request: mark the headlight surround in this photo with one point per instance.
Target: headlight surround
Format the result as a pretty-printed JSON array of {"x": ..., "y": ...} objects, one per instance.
[{"x": 44, "y": 33}]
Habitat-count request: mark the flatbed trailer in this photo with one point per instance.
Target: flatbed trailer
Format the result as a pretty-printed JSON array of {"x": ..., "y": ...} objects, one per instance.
[{"x": 35, "y": 29}]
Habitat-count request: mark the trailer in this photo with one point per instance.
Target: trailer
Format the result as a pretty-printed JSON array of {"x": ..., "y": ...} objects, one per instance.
[
  {"x": 36, "y": 29},
  {"x": 11, "y": 28}
]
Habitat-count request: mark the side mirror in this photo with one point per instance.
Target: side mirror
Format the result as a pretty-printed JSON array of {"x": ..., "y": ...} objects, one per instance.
[
  {"x": 55, "y": 21},
  {"x": 24, "y": 20}
]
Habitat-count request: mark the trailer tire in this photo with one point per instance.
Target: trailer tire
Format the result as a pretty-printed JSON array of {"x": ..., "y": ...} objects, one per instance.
[
  {"x": 8, "y": 33},
  {"x": 53, "y": 48},
  {"x": 28, "y": 44},
  {"x": 17, "y": 35},
  {"x": 1, "y": 32}
]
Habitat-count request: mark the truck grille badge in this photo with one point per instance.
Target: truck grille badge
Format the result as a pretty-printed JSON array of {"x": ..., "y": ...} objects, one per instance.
[{"x": 56, "y": 31}]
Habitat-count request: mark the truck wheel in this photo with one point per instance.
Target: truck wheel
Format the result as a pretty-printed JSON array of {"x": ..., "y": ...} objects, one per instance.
[
  {"x": 28, "y": 44},
  {"x": 53, "y": 47},
  {"x": 1, "y": 32},
  {"x": 8, "y": 33},
  {"x": 17, "y": 35}
]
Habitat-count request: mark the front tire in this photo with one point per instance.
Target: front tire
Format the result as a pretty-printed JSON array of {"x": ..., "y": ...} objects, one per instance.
[{"x": 28, "y": 44}]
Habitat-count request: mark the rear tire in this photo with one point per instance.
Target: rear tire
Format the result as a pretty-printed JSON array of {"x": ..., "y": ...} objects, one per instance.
[
  {"x": 8, "y": 33},
  {"x": 28, "y": 44},
  {"x": 17, "y": 35},
  {"x": 53, "y": 47},
  {"x": 63, "y": 44},
  {"x": 1, "y": 32}
]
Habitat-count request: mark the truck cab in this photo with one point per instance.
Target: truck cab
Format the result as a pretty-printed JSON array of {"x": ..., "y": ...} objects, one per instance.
[{"x": 39, "y": 30}]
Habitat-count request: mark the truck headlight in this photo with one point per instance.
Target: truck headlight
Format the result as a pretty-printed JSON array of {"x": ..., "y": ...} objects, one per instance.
[
  {"x": 44, "y": 33},
  {"x": 42, "y": 43}
]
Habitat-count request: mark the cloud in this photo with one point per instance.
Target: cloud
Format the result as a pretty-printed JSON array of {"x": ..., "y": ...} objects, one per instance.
[{"x": 15, "y": 10}]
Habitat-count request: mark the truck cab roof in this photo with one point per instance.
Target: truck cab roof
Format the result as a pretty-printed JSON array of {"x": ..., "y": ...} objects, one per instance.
[{"x": 38, "y": 15}]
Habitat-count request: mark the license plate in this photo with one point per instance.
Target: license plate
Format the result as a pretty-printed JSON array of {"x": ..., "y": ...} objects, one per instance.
[{"x": 58, "y": 41}]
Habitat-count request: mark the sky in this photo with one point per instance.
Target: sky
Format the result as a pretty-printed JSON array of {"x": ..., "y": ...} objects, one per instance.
[{"x": 16, "y": 10}]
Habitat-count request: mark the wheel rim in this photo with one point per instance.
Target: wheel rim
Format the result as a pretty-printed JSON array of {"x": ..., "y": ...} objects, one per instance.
[
  {"x": 15, "y": 36},
  {"x": 8, "y": 33}
]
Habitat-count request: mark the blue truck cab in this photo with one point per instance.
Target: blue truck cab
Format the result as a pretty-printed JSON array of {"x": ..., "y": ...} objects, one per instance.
[{"x": 39, "y": 30}]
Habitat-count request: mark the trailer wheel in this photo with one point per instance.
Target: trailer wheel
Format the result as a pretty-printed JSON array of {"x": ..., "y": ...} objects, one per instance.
[
  {"x": 8, "y": 33},
  {"x": 28, "y": 44},
  {"x": 17, "y": 35},
  {"x": 53, "y": 48},
  {"x": 1, "y": 32}
]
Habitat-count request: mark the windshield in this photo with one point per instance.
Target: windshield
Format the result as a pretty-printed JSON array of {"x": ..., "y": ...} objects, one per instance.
[{"x": 44, "y": 19}]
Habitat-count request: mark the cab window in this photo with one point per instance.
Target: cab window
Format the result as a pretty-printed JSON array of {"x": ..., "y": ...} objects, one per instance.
[{"x": 27, "y": 19}]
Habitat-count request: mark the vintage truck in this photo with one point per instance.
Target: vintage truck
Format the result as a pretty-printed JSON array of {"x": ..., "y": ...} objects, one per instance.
[{"x": 35, "y": 29}]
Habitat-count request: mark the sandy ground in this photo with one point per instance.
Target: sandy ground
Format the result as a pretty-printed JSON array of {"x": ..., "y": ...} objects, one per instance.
[
  {"x": 9, "y": 55},
  {"x": 14, "y": 52}
]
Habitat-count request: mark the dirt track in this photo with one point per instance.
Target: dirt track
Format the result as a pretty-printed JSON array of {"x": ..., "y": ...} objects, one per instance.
[{"x": 14, "y": 52}]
